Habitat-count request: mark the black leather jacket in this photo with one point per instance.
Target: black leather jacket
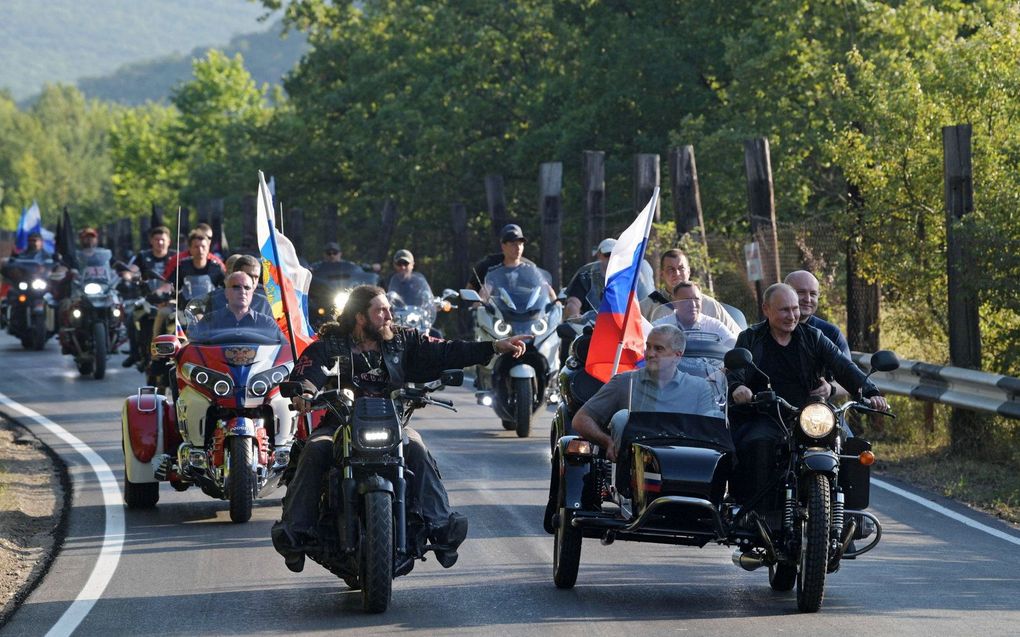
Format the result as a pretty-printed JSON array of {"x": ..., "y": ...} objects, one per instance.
[
  {"x": 409, "y": 357},
  {"x": 817, "y": 355}
]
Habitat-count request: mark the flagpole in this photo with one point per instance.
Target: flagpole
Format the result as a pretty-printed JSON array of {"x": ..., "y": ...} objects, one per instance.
[
  {"x": 279, "y": 265},
  {"x": 633, "y": 284}
]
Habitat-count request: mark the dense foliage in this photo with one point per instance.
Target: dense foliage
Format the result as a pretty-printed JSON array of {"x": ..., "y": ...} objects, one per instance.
[{"x": 418, "y": 102}]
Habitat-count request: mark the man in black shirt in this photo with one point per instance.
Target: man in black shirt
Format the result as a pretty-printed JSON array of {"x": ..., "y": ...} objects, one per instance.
[
  {"x": 795, "y": 357},
  {"x": 199, "y": 264},
  {"x": 147, "y": 265}
]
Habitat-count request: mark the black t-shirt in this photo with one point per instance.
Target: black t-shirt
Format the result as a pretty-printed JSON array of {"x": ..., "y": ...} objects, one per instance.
[
  {"x": 782, "y": 365},
  {"x": 187, "y": 268}
]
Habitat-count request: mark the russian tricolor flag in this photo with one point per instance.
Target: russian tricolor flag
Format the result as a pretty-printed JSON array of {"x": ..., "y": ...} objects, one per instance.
[
  {"x": 618, "y": 342},
  {"x": 285, "y": 280}
]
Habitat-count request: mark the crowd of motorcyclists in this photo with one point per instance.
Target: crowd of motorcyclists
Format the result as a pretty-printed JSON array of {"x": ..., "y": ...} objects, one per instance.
[{"x": 377, "y": 344}]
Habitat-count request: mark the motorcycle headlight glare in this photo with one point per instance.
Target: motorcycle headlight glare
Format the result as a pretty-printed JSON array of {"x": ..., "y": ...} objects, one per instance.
[
  {"x": 23, "y": 285},
  {"x": 539, "y": 327},
  {"x": 817, "y": 420},
  {"x": 413, "y": 319},
  {"x": 38, "y": 284},
  {"x": 340, "y": 300},
  {"x": 93, "y": 288},
  {"x": 116, "y": 312},
  {"x": 375, "y": 437},
  {"x": 502, "y": 328},
  {"x": 76, "y": 313}
]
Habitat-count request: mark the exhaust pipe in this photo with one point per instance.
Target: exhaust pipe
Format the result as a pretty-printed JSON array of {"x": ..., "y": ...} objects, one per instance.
[{"x": 747, "y": 561}]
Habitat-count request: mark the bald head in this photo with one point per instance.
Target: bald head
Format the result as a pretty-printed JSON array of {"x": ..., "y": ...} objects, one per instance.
[{"x": 806, "y": 286}]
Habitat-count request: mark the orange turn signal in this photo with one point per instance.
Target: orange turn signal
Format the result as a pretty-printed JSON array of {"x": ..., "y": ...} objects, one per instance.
[
  {"x": 867, "y": 458},
  {"x": 22, "y": 298},
  {"x": 578, "y": 447}
]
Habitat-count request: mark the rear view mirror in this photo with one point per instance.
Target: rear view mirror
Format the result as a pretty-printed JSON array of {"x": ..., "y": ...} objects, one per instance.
[
  {"x": 470, "y": 295},
  {"x": 164, "y": 346},
  {"x": 738, "y": 358},
  {"x": 452, "y": 377},
  {"x": 884, "y": 361}
]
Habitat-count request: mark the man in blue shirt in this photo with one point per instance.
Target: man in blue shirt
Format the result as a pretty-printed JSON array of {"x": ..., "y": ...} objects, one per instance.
[
  {"x": 806, "y": 286},
  {"x": 237, "y": 315}
]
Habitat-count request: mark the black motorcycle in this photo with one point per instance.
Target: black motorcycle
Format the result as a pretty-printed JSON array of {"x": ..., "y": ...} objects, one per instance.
[
  {"x": 28, "y": 309},
  {"x": 331, "y": 286},
  {"x": 364, "y": 535},
  {"x": 669, "y": 486},
  {"x": 91, "y": 326}
]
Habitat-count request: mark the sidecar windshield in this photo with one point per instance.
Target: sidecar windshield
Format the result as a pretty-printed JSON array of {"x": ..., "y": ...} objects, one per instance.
[{"x": 518, "y": 290}]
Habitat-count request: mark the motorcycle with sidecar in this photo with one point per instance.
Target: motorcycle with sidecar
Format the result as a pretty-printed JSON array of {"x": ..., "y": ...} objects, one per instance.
[
  {"x": 225, "y": 427},
  {"x": 364, "y": 534},
  {"x": 669, "y": 486}
]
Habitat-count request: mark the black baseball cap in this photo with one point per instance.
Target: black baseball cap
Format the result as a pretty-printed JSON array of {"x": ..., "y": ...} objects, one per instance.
[{"x": 511, "y": 232}]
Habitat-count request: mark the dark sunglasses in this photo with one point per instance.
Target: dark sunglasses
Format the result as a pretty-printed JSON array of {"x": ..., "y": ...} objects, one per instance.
[
  {"x": 242, "y": 287},
  {"x": 332, "y": 252},
  {"x": 403, "y": 263}
]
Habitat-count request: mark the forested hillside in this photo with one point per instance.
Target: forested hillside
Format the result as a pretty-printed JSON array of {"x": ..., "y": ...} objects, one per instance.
[
  {"x": 64, "y": 40},
  {"x": 267, "y": 56}
]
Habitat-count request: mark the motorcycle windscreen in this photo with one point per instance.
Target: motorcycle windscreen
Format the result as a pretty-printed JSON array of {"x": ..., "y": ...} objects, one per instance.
[
  {"x": 222, "y": 328},
  {"x": 411, "y": 295},
  {"x": 519, "y": 291}
]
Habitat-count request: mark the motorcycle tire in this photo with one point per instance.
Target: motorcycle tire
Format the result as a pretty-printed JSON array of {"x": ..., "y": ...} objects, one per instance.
[
  {"x": 140, "y": 495},
  {"x": 814, "y": 545},
  {"x": 783, "y": 577},
  {"x": 100, "y": 348},
  {"x": 377, "y": 552},
  {"x": 522, "y": 406},
  {"x": 37, "y": 333},
  {"x": 509, "y": 425},
  {"x": 566, "y": 547},
  {"x": 84, "y": 367},
  {"x": 240, "y": 479}
]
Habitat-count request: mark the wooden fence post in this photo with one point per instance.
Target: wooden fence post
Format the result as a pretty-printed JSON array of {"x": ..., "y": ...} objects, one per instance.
[
  {"x": 550, "y": 195},
  {"x": 495, "y": 199},
  {"x": 388, "y": 216},
  {"x": 593, "y": 171},
  {"x": 862, "y": 296},
  {"x": 249, "y": 240},
  {"x": 144, "y": 225},
  {"x": 761, "y": 207},
  {"x": 330, "y": 225},
  {"x": 461, "y": 265},
  {"x": 646, "y": 178},
  {"x": 683, "y": 177},
  {"x": 296, "y": 229},
  {"x": 965, "y": 427},
  {"x": 125, "y": 238}
]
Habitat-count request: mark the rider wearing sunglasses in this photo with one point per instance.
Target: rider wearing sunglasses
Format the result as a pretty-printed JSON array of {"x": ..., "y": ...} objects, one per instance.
[{"x": 238, "y": 314}]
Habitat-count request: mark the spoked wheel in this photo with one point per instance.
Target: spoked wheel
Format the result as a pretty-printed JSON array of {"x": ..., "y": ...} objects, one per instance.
[
  {"x": 782, "y": 576},
  {"x": 100, "y": 346},
  {"x": 377, "y": 552},
  {"x": 814, "y": 545},
  {"x": 241, "y": 479},
  {"x": 566, "y": 548},
  {"x": 522, "y": 406}
]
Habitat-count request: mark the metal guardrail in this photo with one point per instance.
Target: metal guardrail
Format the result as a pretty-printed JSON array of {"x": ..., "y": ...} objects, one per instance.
[{"x": 955, "y": 386}]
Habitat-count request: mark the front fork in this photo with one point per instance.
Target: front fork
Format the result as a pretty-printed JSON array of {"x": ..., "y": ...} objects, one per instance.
[{"x": 350, "y": 494}]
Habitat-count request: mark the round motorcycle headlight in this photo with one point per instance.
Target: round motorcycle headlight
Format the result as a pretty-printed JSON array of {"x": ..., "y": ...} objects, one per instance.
[
  {"x": 201, "y": 378},
  {"x": 76, "y": 313},
  {"x": 538, "y": 328},
  {"x": 116, "y": 312},
  {"x": 412, "y": 319},
  {"x": 259, "y": 387},
  {"x": 277, "y": 378},
  {"x": 502, "y": 328},
  {"x": 38, "y": 284},
  {"x": 221, "y": 388},
  {"x": 93, "y": 288},
  {"x": 340, "y": 300},
  {"x": 23, "y": 285},
  {"x": 817, "y": 420}
]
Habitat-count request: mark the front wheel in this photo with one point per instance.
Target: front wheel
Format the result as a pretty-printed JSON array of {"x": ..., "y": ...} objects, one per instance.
[
  {"x": 566, "y": 548},
  {"x": 814, "y": 545},
  {"x": 377, "y": 552},
  {"x": 100, "y": 346},
  {"x": 522, "y": 406},
  {"x": 240, "y": 479},
  {"x": 37, "y": 333},
  {"x": 782, "y": 576}
]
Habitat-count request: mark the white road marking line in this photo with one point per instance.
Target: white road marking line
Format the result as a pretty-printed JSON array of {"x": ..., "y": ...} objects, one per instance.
[
  {"x": 113, "y": 537},
  {"x": 938, "y": 508}
]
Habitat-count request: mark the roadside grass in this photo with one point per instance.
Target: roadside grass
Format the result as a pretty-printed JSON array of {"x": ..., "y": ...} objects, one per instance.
[{"x": 915, "y": 448}]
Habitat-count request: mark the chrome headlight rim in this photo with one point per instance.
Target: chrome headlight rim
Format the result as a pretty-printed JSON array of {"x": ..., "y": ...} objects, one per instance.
[
  {"x": 540, "y": 327},
  {"x": 817, "y": 420},
  {"x": 502, "y": 328}
]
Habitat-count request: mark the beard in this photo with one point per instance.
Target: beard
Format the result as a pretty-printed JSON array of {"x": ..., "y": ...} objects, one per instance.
[{"x": 379, "y": 334}]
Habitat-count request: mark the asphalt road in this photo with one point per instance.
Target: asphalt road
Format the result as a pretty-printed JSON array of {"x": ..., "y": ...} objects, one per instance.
[{"x": 185, "y": 569}]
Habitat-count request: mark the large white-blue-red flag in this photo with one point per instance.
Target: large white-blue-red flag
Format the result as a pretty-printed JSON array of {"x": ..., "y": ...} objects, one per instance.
[
  {"x": 31, "y": 222},
  {"x": 285, "y": 280},
  {"x": 618, "y": 342}
]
